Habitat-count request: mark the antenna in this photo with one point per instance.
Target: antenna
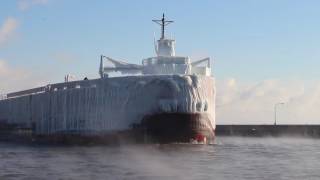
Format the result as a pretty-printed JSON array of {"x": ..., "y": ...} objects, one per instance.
[
  {"x": 155, "y": 44},
  {"x": 162, "y": 23},
  {"x": 101, "y": 66}
]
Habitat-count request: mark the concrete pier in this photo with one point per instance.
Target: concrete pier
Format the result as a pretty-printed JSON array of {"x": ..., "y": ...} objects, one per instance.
[{"x": 268, "y": 130}]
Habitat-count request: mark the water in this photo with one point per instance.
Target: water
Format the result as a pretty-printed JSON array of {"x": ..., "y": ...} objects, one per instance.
[{"x": 229, "y": 158}]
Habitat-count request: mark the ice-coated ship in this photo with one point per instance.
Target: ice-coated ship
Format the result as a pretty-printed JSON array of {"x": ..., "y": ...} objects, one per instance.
[{"x": 166, "y": 99}]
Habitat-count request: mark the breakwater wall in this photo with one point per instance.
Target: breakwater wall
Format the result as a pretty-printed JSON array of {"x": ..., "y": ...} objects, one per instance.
[{"x": 268, "y": 130}]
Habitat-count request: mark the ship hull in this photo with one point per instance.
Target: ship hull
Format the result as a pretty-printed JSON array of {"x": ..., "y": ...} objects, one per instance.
[
  {"x": 156, "y": 128},
  {"x": 178, "y": 127},
  {"x": 167, "y": 108}
]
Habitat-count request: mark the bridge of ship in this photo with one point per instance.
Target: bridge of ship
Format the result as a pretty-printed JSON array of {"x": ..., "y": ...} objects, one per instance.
[
  {"x": 157, "y": 66},
  {"x": 165, "y": 61}
]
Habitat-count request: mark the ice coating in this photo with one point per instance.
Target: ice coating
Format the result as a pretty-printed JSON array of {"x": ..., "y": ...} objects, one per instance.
[{"x": 109, "y": 104}]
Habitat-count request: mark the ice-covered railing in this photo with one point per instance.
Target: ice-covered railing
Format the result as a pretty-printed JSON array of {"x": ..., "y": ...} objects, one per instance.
[
  {"x": 3, "y": 96},
  {"x": 73, "y": 84},
  {"x": 53, "y": 87},
  {"x": 160, "y": 65},
  {"x": 26, "y": 92},
  {"x": 201, "y": 67},
  {"x": 167, "y": 65},
  {"x": 108, "y": 65}
]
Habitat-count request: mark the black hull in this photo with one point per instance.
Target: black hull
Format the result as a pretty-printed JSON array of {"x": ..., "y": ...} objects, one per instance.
[{"x": 178, "y": 127}]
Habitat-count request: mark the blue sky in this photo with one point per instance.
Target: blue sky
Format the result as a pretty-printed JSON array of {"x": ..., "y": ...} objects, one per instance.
[
  {"x": 267, "y": 49},
  {"x": 250, "y": 40}
]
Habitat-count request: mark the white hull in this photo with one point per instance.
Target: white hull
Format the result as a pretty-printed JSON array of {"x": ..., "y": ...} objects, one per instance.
[{"x": 106, "y": 105}]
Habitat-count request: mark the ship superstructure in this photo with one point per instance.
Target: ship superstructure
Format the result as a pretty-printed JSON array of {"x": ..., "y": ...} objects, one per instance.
[
  {"x": 166, "y": 61},
  {"x": 167, "y": 98}
]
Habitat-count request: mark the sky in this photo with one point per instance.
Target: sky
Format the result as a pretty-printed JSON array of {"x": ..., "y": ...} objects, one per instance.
[{"x": 264, "y": 52}]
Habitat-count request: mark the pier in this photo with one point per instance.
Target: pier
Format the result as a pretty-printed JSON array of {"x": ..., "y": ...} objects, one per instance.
[{"x": 268, "y": 130}]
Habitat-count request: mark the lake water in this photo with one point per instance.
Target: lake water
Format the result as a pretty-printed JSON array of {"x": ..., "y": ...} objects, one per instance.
[{"x": 228, "y": 158}]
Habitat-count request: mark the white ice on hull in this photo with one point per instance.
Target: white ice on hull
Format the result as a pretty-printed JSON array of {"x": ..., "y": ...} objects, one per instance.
[{"x": 110, "y": 104}]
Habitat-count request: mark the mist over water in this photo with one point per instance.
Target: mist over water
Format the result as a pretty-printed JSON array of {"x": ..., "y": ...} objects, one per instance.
[{"x": 229, "y": 158}]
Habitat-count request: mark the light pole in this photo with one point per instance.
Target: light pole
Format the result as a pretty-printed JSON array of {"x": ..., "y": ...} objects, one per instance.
[{"x": 275, "y": 111}]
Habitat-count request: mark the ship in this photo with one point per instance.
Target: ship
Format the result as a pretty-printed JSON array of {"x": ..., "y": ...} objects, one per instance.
[{"x": 165, "y": 99}]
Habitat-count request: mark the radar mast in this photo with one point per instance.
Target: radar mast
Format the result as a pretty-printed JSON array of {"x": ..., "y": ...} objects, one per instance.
[{"x": 163, "y": 22}]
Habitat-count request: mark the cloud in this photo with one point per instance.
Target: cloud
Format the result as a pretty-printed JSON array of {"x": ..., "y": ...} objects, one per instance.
[
  {"x": 15, "y": 79},
  {"x": 7, "y": 30},
  {"x": 253, "y": 103},
  {"x": 24, "y": 5}
]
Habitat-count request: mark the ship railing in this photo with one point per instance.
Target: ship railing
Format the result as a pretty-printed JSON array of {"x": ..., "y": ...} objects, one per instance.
[
  {"x": 52, "y": 87},
  {"x": 73, "y": 85},
  {"x": 3, "y": 96},
  {"x": 26, "y": 92}
]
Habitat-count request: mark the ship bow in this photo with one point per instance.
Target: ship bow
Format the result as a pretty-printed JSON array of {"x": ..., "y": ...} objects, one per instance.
[{"x": 178, "y": 127}]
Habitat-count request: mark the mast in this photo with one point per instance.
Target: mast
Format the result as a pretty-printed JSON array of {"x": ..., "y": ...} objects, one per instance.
[{"x": 163, "y": 22}]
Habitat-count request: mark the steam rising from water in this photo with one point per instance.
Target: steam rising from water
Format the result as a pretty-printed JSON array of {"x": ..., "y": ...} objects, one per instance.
[{"x": 230, "y": 158}]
